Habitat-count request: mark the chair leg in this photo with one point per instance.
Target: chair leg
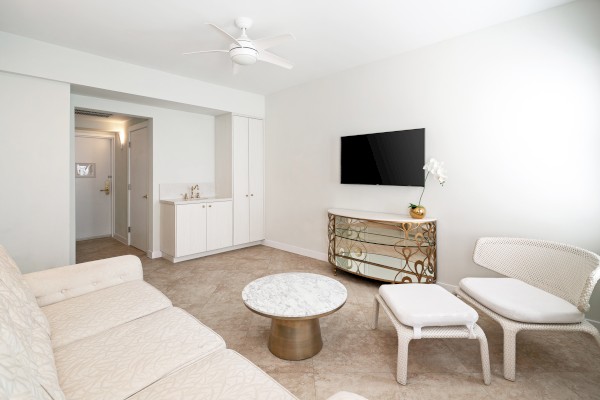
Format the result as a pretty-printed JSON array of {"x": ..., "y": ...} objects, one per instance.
[
  {"x": 375, "y": 321},
  {"x": 510, "y": 354},
  {"x": 402, "y": 365},
  {"x": 485, "y": 357}
]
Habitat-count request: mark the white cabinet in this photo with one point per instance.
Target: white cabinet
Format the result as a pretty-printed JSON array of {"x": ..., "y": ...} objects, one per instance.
[
  {"x": 248, "y": 180},
  {"x": 190, "y": 228}
]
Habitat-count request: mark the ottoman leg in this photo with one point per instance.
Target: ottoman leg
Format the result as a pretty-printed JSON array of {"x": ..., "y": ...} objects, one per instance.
[
  {"x": 402, "y": 366},
  {"x": 375, "y": 313},
  {"x": 485, "y": 355}
]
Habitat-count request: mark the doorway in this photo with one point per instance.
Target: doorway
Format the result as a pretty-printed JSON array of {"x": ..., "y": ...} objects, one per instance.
[{"x": 129, "y": 222}]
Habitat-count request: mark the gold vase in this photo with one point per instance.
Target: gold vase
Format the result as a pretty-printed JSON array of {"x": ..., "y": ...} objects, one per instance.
[{"x": 418, "y": 212}]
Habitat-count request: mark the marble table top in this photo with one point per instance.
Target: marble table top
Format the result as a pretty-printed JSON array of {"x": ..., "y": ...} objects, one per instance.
[{"x": 294, "y": 295}]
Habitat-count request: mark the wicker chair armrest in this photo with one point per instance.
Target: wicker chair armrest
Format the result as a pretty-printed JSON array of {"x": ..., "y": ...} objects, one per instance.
[{"x": 584, "y": 301}]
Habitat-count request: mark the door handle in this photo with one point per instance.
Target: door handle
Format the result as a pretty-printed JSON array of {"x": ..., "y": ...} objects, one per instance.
[
  {"x": 106, "y": 189},
  {"x": 145, "y": 196}
]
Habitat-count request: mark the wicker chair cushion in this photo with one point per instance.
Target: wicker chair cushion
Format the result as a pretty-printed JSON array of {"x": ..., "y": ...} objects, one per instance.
[
  {"x": 519, "y": 301},
  {"x": 419, "y": 305}
]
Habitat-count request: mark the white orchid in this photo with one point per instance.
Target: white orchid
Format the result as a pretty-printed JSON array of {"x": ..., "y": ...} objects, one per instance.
[{"x": 435, "y": 168}]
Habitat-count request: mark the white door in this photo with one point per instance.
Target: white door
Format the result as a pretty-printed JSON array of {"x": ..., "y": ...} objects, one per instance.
[
  {"x": 139, "y": 176},
  {"x": 256, "y": 180},
  {"x": 241, "y": 205},
  {"x": 219, "y": 224},
  {"x": 93, "y": 187}
]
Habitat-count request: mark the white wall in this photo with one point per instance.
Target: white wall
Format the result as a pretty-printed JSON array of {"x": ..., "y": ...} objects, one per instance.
[
  {"x": 32, "y": 57},
  {"x": 35, "y": 166},
  {"x": 183, "y": 146},
  {"x": 512, "y": 110},
  {"x": 27, "y": 57}
]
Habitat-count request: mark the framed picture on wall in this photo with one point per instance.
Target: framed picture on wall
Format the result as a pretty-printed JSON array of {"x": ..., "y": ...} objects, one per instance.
[{"x": 85, "y": 170}]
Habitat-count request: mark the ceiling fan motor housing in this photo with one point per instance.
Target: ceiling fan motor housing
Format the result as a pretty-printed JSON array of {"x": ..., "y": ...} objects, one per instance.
[{"x": 246, "y": 55}]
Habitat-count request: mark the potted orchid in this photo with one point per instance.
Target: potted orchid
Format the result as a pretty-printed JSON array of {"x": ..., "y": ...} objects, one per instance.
[{"x": 435, "y": 168}]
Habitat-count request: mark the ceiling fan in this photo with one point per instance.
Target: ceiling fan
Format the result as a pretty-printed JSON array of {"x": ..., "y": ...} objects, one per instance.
[{"x": 245, "y": 51}]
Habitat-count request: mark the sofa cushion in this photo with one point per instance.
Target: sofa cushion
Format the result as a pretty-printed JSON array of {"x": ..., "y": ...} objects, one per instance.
[
  {"x": 98, "y": 311},
  {"x": 225, "y": 375},
  {"x": 519, "y": 301},
  {"x": 26, "y": 360},
  {"x": 119, "y": 362}
]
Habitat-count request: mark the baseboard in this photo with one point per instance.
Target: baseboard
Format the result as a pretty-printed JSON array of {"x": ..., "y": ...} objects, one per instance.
[
  {"x": 296, "y": 250},
  {"x": 120, "y": 239},
  {"x": 448, "y": 287},
  {"x": 595, "y": 323},
  {"x": 92, "y": 238},
  {"x": 207, "y": 253},
  {"x": 154, "y": 254}
]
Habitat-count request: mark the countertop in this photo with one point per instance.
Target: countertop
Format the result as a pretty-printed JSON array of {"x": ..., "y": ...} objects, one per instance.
[{"x": 180, "y": 201}]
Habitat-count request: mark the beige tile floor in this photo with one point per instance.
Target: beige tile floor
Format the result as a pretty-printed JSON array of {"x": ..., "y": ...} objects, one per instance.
[{"x": 354, "y": 357}]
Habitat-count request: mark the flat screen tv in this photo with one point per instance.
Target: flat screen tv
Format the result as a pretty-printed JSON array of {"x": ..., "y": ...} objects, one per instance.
[{"x": 387, "y": 158}]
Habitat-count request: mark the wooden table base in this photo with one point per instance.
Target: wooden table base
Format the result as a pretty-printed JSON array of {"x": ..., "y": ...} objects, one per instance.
[{"x": 295, "y": 339}]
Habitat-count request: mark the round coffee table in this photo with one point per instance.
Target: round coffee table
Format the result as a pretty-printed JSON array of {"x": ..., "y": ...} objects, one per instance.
[{"x": 294, "y": 301}]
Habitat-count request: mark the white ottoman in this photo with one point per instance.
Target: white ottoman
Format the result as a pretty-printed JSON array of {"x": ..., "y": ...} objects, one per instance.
[{"x": 424, "y": 311}]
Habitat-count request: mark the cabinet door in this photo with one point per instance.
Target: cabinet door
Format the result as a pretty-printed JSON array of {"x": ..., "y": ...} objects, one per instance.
[
  {"x": 256, "y": 179},
  {"x": 241, "y": 204},
  {"x": 219, "y": 225},
  {"x": 191, "y": 229}
]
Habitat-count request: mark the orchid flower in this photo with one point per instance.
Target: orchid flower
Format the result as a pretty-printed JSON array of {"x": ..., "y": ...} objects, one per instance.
[{"x": 435, "y": 168}]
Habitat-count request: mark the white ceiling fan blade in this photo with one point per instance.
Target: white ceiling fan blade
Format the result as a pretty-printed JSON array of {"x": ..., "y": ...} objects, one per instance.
[
  {"x": 273, "y": 59},
  {"x": 225, "y": 34},
  {"x": 206, "y": 51},
  {"x": 268, "y": 42},
  {"x": 235, "y": 68}
]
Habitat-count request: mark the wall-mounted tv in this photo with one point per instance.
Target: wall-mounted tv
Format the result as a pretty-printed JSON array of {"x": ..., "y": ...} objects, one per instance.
[{"x": 386, "y": 158}]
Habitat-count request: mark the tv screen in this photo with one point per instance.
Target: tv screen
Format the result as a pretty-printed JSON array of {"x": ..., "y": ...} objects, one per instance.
[{"x": 387, "y": 158}]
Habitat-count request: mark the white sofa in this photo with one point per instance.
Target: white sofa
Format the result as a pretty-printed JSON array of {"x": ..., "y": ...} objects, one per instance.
[{"x": 97, "y": 331}]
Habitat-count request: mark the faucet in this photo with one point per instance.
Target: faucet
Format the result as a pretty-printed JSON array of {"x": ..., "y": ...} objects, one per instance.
[{"x": 195, "y": 195}]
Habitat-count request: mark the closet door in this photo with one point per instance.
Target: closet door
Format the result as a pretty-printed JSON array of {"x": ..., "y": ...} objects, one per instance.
[
  {"x": 241, "y": 194},
  {"x": 256, "y": 179}
]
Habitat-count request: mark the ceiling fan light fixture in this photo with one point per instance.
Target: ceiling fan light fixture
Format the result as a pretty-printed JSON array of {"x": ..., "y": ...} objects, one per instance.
[
  {"x": 245, "y": 51},
  {"x": 243, "y": 55}
]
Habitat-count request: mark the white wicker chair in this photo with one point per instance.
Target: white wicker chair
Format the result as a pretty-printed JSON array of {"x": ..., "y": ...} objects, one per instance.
[{"x": 567, "y": 272}]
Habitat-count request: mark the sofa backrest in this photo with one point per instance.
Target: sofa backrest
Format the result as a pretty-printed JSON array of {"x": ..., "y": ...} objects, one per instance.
[{"x": 27, "y": 368}]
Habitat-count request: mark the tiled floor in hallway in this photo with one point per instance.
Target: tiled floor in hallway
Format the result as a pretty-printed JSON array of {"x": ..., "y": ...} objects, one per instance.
[{"x": 354, "y": 357}]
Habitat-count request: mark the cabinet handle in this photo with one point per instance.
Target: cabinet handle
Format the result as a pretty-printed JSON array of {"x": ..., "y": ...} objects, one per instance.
[
  {"x": 203, "y": 206},
  {"x": 246, "y": 195},
  {"x": 252, "y": 194},
  {"x": 209, "y": 205}
]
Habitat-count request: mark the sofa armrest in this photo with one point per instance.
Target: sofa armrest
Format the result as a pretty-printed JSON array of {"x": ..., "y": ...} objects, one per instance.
[{"x": 57, "y": 284}]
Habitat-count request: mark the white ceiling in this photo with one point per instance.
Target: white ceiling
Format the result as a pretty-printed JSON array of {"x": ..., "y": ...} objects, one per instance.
[{"x": 332, "y": 35}]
